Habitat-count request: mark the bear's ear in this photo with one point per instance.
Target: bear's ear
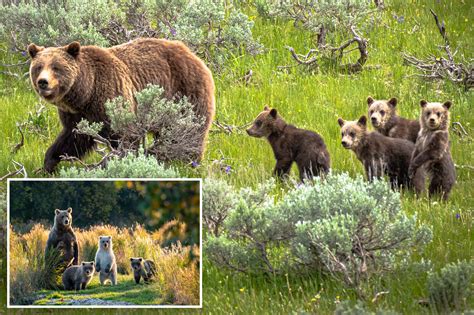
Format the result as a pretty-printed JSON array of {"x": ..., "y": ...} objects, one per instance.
[
  {"x": 73, "y": 49},
  {"x": 83, "y": 263},
  {"x": 140, "y": 259},
  {"x": 341, "y": 122},
  {"x": 362, "y": 121},
  {"x": 370, "y": 100},
  {"x": 57, "y": 211},
  {"x": 273, "y": 113},
  {"x": 393, "y": 102},
  {"x": 33, "y": 50},
  {"x": 423, "y": 103},
  {"x": 131, "y": 258},
  {"x": 266, "y": 108},
  {"x": 69, "y": 210},
  {"x": 447, "y": 104}
]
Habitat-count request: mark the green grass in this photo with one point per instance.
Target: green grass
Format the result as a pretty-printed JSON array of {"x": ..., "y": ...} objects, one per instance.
[{"x": 315, "y": 101}]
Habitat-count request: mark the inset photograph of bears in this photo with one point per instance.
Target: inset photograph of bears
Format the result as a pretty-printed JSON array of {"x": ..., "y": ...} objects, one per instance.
[{"x": 117, "y": 243}]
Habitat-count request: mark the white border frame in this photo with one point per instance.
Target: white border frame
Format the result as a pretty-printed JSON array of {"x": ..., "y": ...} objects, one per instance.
[{"x": 9, "y": 180}]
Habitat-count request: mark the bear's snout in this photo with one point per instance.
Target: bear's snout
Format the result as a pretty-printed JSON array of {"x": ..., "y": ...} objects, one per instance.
[
  {"x": 43, "y": 84},
  {"x": 344, "y": 144}
]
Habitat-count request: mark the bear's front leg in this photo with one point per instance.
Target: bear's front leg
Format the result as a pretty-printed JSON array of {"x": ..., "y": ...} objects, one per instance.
[
  {"x": 282, "y": 168},
  {"x": 137, "y": 278},
  {"x": 76, "y": 253}
]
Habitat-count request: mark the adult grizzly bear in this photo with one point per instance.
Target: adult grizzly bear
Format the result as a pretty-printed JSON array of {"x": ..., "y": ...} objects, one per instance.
[{"x": 79, "y": 80}]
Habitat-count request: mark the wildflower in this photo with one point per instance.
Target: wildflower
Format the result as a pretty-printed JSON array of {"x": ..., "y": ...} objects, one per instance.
[
  {"x": 23, "y": 53},
  {"x": 194, "y": 164},
  {"x": 228, "y": 169},
  {"x": 242, "y": 289},
  {"x": 458, "y": 216}
]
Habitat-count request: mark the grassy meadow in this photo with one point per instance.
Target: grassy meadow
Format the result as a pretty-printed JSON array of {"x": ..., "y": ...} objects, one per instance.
[{"x": 313, "y": 101}]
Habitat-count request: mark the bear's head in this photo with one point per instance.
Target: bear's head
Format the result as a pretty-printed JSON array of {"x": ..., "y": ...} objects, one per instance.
[
  {"x": 380, "y": 111},
  {"x": 136, "y": 263},
  {"x": 105, "y": 242},
  {"x": 352, "y": 132},
  {"x": 264, "y": 124},
  {"x": 54, "y": 70},
  {"x": 63, "y": 217},
  {"x": 88, "y": 268},
  {"x": 435, "y": 116}
]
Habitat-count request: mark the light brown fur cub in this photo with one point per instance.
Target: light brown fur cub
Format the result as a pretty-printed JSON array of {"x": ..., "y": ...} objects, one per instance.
[
  {"x": 142, "y": 268},
  {"x": 384, "y": 118},
  {"x": 78, "y": 277},
  {"x": 432, "y": 149}
]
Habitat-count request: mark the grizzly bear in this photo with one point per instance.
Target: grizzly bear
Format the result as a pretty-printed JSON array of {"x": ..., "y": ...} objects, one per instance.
[
  {"x": 105, "y": 263},
  {"x": 432, "y": 149},
  {"x": 291, "y": 144},
  {"x": 142, "y": 268},
  {"x": 78, "y": 277},
  {"x": 78, "y": 80},
  {"x": 379, "y": 154},
  {"x": 384, "y": 118},
  {"x": 62, "y": 238}
]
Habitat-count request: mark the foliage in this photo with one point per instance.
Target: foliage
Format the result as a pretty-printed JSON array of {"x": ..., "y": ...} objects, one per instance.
[
  {"x": 349, "y": 308},
  {"x": 218, "y": 198},
  {"x": 352, "y": 235},
  {"x": 450, "y": 288},
  {"x": 178, "y": 275}
]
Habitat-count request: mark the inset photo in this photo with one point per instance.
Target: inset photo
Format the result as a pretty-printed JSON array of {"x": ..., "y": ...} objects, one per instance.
[{"x": 104, "y": 243}]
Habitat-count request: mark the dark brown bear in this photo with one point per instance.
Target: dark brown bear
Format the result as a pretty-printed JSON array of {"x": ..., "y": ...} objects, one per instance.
[
  {"x": 384, "y": 118},
  {"x": 78, "y": 277},
  {"x": 432, "y": 150},
  {"x": 143, "y": 268},
  {"x": 291, "y": 144},
  {"x": 79, "y": 80},
  {"x": 62, "y": 238},
  {"x": 379, "y": 154}
]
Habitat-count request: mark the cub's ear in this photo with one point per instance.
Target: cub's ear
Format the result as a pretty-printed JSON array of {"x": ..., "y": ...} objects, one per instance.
[
  {"x": 266, "y": 107},
  {"x": 57, "y": 211},
  {"x": 370, "y": 100},
  {"x": 73, "y": 49},
  {"x": 362, "y": 121},
  {"x": 273, "y": 113},
  {"x": 447, "y": 104},
  {"x": 33, "y": 50},
  {"x": 393, "y": 102},
  {"x": 69, "y": 210},
  {"x": 140, "y": 259},
  {"x": 423, "y": 103},
  {"x": 131, "y": 258},
  {"x": 341, "y": 122},
  {"x": 83, "y": 263}
]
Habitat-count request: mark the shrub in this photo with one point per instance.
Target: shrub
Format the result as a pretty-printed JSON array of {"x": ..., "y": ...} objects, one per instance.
[
  {"x": 450, "y": 288},
  {"x": 358, "y": 308}
]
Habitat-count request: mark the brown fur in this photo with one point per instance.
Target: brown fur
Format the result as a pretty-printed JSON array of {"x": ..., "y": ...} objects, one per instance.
[
  {"x": 433, "y": 148},
  {"x": 291, "y": 144},
  {"x": 142, "y": 268},
  {"x": 384, "y": 119},
  {"x": 79, "y": 80},
  {"x": 78, "y": 277},
  {"x": 379, "y": 154}
]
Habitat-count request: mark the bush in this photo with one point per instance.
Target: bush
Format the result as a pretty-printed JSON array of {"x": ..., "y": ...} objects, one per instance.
[
  {"x": 346, "y": 227},
  {"x": 349, "y": 308},
  {"x": 450, "y": 288}
]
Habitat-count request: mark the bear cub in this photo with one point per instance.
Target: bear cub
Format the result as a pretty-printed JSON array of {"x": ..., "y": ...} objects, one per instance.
[
  {"x": 379, "y": 154},
  {"x": 384, "y": 118},
  {"x": 432, "y": 149},
  {"x": 142, "y": 268},
  {"x": 105, "y": 263},
  {"x": 62, "y": 238},
  {"x": 291, "y": 144},
  {"x": 78, "y": 277}
]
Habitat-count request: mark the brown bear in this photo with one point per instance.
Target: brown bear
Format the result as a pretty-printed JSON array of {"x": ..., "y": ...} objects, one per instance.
[
  {"x": 379, "y": 154},
  {"x": 291, "y": 144},
  {"x": 432, "y": 150},
  {"x": 143, "y": 268},
  {"x": 78, "y": 277},
  {"x": 78, "y": 80},
  {"x": 384, "y": 118},
  {"x": 62, "y": 238}
]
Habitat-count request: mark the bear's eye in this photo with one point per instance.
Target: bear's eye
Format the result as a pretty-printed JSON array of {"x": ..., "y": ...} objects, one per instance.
[
  {"x": 428, "y": 113},
  {"x": 258, "y": 123},
  {"x": 352, "y": 134},
  {"x": 382, "y": 112},
  {"x": 438, "y": 113},
  {"x": 371, "y": 112},
  {"x": 56, "y": 68}
]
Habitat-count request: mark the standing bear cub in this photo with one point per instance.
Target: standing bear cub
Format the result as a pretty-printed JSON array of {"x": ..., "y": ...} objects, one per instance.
[
  {"x": 79, "y": 80},
  {"x": 291, "y": 144},
  {"x": 78, "y": 277},
  {"x": 379, "y": 154},
  {"x": 142, "y": 268},
  {"x": 62, "y": 239},
  {"x": 432, "y": 150},
  {"x": 384, "y": 118},
  {"x": 105, "y": 263}
]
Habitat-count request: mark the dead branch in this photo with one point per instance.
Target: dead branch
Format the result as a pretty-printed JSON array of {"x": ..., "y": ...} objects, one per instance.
[
  {"x": 22, "y": 140},
  {"x": 19, "y": 169},
  {"x": 462, "y": 132},
  {"x": 229, "y": 129}
]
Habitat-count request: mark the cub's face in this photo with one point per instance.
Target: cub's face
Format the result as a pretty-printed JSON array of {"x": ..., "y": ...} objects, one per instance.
[
  {"x": 136, "y": 263},
  {"x": 352, "y": 132},
  {"x": 63, "y": 217},
  {"x": 435, "y": 116},
  {"x": 88, "y": 267},
  {"x": 380, "y": 111},
  {"x": 105, "y": 242},
  {"x": 263, "y": 124},
  {"x": 53, "y": 70}
]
